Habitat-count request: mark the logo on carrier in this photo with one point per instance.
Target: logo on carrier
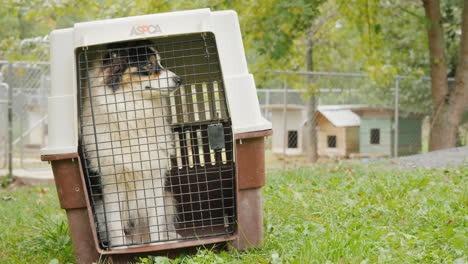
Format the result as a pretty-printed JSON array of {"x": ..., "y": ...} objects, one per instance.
[{"x": 145, "y": 29}]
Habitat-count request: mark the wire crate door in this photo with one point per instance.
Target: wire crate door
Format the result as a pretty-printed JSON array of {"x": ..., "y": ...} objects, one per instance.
[{"x": 156, "y": 140}]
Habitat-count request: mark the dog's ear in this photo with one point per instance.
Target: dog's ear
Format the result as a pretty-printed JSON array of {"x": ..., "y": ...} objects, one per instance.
[{"x": 115, "y": 64}]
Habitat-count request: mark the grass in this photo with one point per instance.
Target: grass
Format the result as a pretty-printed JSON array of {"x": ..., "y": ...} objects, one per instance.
[
  {"x": 340, "y": 213},
  {"x": 33, "y": 228}
]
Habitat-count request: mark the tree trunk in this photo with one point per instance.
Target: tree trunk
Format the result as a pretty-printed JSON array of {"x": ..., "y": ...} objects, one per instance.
[
  {"x": 459, "y": 97},
  {"x": 448, "y": 104},
  {"x": 312, "y": 104}
]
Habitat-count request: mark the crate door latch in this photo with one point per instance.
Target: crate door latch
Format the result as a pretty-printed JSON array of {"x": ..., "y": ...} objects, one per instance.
[{"x": 216, "y": 137}]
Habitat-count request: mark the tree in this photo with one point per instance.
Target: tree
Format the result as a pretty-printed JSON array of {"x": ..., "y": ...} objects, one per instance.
[
  {"x": 396, "y": 34},
  {"x": 313, "y": 37},
  {"x": 277, "y": 28},
  {"x": 448, "y": 102}
]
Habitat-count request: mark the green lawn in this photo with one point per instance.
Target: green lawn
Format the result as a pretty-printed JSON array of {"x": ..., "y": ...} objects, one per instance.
[{"x": 327, "y": 214}]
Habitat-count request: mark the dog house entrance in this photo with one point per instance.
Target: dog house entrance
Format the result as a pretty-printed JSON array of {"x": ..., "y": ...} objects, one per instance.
[{"x": 156, "y": 140}]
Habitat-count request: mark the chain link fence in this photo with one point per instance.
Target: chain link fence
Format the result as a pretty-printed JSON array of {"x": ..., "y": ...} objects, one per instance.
[
  {"x": 356, "y": 116},
  {"x": 24, "y": 85}
]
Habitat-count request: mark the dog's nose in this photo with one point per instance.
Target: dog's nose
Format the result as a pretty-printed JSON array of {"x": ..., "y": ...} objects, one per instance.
[{"x": 177, "y": 80}]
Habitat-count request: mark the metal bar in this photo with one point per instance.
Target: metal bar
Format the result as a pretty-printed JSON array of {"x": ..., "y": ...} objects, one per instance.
[
  {"x": 10, "y": 120},
  {"x": 267, "y": 99},
  {"x": 189, "y": 102},
  {"x": 21, "y": 119},
  {"x": 43, "y": 101},
  {"x": 344, "y": 74},
  {"x": 169, "y": 114},
  {"x": 179, "y": 114},
  {"x": 27, "y": 62},
  {"x": 325, "y": 73},
  {"x": 396, "y": 131},
  {"x": 285, "y": 124},
  {"x": 322, "y": 90},
  {"x": 6, "y": 86},
  {"x": 27, "y": 132},
  {"x": 220, "y": 99},
  {"x": 200, "y": 102}
]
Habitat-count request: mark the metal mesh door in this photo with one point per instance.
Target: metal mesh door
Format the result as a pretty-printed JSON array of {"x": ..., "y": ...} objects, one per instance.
[{"x": 156, "y": 140}]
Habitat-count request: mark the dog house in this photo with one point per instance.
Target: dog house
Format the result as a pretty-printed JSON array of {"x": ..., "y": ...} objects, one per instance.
[
  {"x": 377, "y": 132},
  {"x": 289, "y": 134},
  {"x": 155, "y": 134}
]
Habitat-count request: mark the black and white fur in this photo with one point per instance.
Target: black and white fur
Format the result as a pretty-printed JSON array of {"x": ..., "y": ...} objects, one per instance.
[{"x": 124, "y": 115}]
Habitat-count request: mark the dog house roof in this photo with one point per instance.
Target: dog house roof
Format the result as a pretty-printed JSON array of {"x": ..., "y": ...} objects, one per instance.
[{"x": 341, "y": 117}]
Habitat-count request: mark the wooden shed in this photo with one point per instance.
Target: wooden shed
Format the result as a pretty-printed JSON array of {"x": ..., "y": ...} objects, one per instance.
[{"x": 377, "y": 137}]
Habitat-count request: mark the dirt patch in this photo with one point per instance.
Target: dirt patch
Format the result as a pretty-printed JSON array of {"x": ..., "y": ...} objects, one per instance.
[{"x": 455, "y": 157}]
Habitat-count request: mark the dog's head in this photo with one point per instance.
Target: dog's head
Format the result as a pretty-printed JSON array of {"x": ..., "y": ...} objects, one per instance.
[{"x": 137, "y": 66}]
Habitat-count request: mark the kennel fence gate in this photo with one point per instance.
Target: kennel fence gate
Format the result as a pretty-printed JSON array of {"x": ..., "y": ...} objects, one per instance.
[
  {"x": 201, "y": 173},
  {"x": 216, "y": 169}
]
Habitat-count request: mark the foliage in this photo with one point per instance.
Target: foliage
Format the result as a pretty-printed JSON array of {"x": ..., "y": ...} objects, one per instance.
[
  {"x": 393, "y": 34},
  {"x": 275, "y": 25},
  {"x": 6, "y": 180},
  {"x": 270, "y": 27},
  {"x": 332, "y": 213},
  {"x": 33, "y": 227},
  {"x": 34, "y": 49},
  {"x": 274, "y": 30},
  {"x": 383, "y": 38},
  {"x": 49, "y": 236}
]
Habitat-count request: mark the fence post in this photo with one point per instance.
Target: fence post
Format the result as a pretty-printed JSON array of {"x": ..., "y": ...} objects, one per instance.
[
  {"x": 43, "y": 101},
  {"x": 397, "y": 117},
  {"x": 312, "y": 150},
  {"x": 9, "y": 83},
  {"x": 267, "y": 99},
  {"x": 285, "y": 122}
]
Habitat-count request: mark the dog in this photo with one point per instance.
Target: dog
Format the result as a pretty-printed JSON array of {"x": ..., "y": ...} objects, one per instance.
[{"x": 128, "y": 142}]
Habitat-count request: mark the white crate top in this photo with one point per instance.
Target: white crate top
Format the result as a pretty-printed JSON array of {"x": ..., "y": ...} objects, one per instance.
[
  {"x": 239, "y": 84},
  {"x": 137, "y": 27}
]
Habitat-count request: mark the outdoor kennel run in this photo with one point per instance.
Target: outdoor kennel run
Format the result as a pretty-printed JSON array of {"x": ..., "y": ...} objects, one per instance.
[{"x": 155, "y": 134}]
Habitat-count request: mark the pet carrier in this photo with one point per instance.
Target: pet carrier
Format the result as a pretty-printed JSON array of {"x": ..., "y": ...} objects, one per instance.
[{"x": 155, "y": 135}]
